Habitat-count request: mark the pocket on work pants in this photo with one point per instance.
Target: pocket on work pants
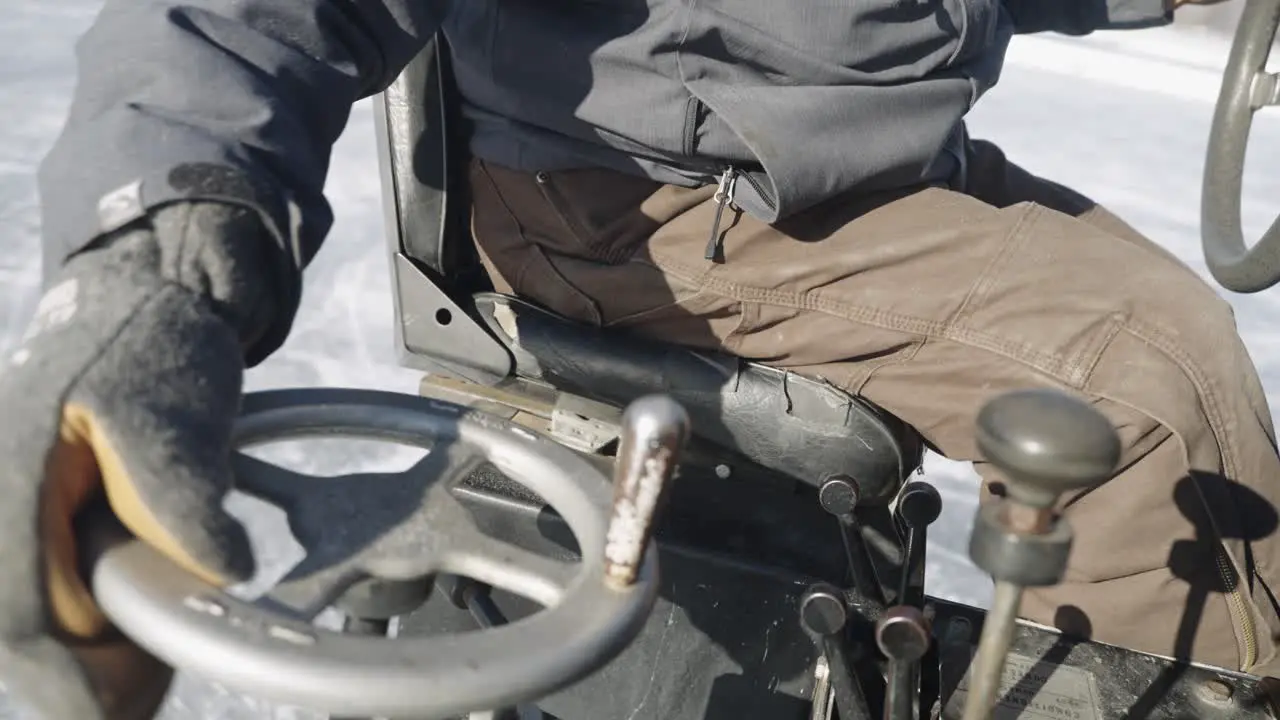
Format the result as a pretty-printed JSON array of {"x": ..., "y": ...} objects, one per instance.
[{"x": 575, "y": 241}]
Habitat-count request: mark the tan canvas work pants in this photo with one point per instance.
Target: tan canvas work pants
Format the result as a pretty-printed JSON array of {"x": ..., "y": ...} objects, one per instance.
[{"x": 928, "y": 302}]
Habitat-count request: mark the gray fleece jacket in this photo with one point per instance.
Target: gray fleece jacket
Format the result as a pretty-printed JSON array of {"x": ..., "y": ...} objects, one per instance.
[{"x": 241, "y": 100}]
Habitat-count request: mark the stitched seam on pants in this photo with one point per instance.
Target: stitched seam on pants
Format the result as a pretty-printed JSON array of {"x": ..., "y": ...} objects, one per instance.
[
  {"x": 502, "y": 282},
  {"x": 1155, "y": 337},
  {"x": 516, "y": 280},
  {"x": 1065, "y": 370},
  {"x": 1204, "y": 388},
  {"x": 588, "y": 303},
  {"x": 855, "y": 385},
  {"x": 642, "y": 314},
  {"x": 1016, "y": 236},
  {"x": 497, "y": 194},
  {"x": 733, "y": 340},
  {"x": 533, "y": 249},
  {"x": 1019, "y": 352},
  {"x": 857, "y": 313},
  {"x": 551, "y": 196},
  {"x": 589, "y": 243},
  {"x": 1072, "y": 370},
  {"x": 687, "y": 274},
  {"x": 649, "y": 266},
  {"x": 1094, "y": 352}
]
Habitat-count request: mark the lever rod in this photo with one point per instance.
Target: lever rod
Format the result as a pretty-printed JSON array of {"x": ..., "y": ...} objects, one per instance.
[
  {"x": 476, "y": 598},
  {"x": 823, "y": 615},
  {"x": 839, "y": 496},
  {"x": 919, "y": 505},
  {"x": 903, "y": 636},
  {"x": 993, "y": 648}
]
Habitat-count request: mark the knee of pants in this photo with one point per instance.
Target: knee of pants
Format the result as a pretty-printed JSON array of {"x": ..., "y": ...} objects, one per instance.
[{"x": 1177, "y": 358}]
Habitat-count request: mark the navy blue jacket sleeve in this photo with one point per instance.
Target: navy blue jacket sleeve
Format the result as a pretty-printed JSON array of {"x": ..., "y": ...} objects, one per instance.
[
  {"x": 231, "y": 100},
  {"x": 1081, "y": 17}
]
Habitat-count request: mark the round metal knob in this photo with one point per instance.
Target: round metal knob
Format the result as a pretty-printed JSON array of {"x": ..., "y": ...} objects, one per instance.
[
  {"x": 919, "y": 505},
  {"x": 903, "y": 633},
  {"x": 839, "y": 495},
  {"x": 823, "y": 610},
  {"x": 1046, "y": 442}
]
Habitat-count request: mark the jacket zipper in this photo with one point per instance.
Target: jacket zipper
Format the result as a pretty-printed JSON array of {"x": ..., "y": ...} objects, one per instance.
[
  {"x": 692, "y": 112},
  {"x": 1235, "y": 601},
  {"x": 764, "y": 196},
  {"x": 723, "y": 198}
]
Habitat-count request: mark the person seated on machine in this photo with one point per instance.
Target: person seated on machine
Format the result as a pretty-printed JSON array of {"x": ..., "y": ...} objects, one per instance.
[{"x": 790, "y": 182}]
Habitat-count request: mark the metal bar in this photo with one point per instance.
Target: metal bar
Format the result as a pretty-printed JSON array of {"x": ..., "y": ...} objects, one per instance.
[
  {"x": 823, "y": 699},
  {"x": 363, "y": 626},
  {"x": 900, "y": 697},
  {"x": 851, "y": 701},
  {"x": 487, "y": 614},
  {"x": 861, "y": 567},
  {"x": 993, "y": 647},
  {"x": 911, "y": 587}
]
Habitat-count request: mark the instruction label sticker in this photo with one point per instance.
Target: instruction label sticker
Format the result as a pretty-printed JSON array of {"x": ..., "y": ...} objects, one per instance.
[{"x": 1034, "y": 689}]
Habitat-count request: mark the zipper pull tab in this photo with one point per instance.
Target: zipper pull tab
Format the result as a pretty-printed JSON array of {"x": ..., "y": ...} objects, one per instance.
[{"x": 723, "y": 197}]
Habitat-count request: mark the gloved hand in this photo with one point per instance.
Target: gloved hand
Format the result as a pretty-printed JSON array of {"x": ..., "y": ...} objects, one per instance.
[{"x": 127, "y": 382}]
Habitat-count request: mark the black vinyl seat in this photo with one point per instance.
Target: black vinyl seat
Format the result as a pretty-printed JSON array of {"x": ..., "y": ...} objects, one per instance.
[
  {"x": 788, "y": 423},
  {"x": 450, "y": 322}
]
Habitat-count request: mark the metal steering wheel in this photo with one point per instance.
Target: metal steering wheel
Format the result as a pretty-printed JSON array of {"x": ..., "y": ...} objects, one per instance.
[
  {"x": 593, "y": 608},
  {"x": 1246, "y": 88}
]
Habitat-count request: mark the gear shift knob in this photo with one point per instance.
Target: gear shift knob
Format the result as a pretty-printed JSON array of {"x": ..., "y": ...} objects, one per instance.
[
  {"x": 654, "y": 431},
  {"x": 1046, "y": 443}
]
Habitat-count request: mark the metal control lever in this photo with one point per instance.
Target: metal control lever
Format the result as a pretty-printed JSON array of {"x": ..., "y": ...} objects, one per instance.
[
  {"x": 477, "y": 599},
  {"x": 902, "y": 634},
  {"x": 1045, "y": 443},
  {"x": 918, "y": 506},
  {"x": 823, "y": 615},
  {"x": 839, "y": 496},
  {"x": 474, "y": 597},
  {"x": 654, "y": 430}
]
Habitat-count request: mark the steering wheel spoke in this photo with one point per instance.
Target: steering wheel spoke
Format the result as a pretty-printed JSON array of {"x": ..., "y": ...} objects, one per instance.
[
  {"x": 303, "y": 596},
  {"x": 366, "y": 514},
  {"x": 472, "y": 553},
  {"x": 268, "y": 482},
  {"x": 1266, "y": 90},
  {"x": 449, "y": 465}
]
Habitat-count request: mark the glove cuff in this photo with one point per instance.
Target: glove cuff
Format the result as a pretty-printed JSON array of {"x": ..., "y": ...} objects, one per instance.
[{"x": 223, "y": 254}]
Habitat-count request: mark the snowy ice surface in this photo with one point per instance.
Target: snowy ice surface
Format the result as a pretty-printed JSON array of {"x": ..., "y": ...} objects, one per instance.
[{"x": 1122, "y": 117}]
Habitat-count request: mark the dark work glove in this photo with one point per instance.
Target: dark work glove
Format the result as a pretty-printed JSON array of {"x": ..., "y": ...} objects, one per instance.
[{"x": 127, "y": 383}]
